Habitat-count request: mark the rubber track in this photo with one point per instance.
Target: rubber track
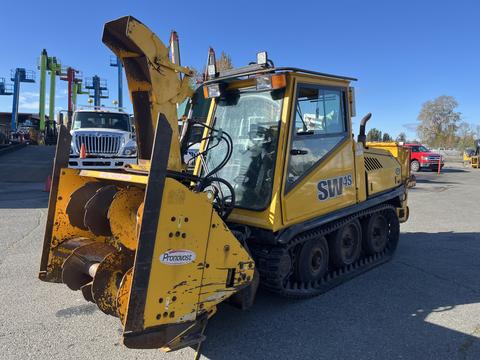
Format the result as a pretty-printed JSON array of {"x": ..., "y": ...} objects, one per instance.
[{"x": 268, "y": 258}]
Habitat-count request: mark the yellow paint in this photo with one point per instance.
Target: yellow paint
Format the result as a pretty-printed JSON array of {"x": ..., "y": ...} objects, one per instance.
[
  {"x": 302, "y": 202},
  {"x": 188, "y": 222},
  {"x": 123, "y": 216},
  {"x": 401, "y": 153},
  {"x": 123, "y": 295},
  {"x": 62, "y": 229},
  {"x": 116, "y": 176},
  {"x": 159, "y": 79},
  {"x": 387, "y": 177}
]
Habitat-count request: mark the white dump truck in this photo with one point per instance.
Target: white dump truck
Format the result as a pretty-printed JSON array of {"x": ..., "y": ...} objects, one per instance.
[{"x": 102, "y": 139}]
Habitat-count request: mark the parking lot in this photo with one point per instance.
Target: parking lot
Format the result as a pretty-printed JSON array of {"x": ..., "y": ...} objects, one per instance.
[{"x": 425, "y": 304}]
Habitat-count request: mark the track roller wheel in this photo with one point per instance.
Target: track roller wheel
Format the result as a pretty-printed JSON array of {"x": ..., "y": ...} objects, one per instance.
[
  {"x": 375, "y": 234},
  {"x": 393, "y": 230},
  {"x": 312, "y": 260},
  {"x": 346, "y": 244}
]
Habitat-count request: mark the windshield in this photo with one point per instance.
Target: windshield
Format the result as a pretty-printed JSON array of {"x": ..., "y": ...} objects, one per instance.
[
  {"x": 420, "y": 148},
  {"x": 252, "y": 119},
  {"x": 101, "y": 120}
]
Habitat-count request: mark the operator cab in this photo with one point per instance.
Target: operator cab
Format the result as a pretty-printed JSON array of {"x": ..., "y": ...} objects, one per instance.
[{"x": 271, "y": 116}]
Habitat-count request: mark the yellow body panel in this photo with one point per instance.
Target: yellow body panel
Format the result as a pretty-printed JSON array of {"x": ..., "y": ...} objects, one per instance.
[
  {"x": 475, "y": 161},
  {"x": 383, "y": 171},
  {"x": 188, "y": 225},
  {"x": 360, "y": 178},
  {"x": 108, "y": 175},
  {"x": 303, "y": 203},
  {"x": 401, "y": 153},
  {"x": 153, "y": 81},
  {"x": 189, "y": 230}
]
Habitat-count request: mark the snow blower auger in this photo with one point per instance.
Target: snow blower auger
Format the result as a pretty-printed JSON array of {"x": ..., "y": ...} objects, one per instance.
[{"x": 147, "y": 244}]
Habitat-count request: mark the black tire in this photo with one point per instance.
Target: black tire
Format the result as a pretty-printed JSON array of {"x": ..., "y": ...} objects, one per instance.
[
  {"x": 393, "y": 230},
  {"x": 345, "y": 244},
  {"x": 312, "y": 260},
  {"x": 415, "y": 166},
  {"x": 375, "y": 234}
]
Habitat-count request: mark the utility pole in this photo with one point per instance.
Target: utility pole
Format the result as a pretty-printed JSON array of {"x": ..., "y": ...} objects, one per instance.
[
  {"x": 18, "y": 76},
  {"x": 98, "y": 89},
  {"x": 53, "y": 65},
  {"x": 116, "y": 62},
  {"x": 70, "y": 76},
  {"x": 43, "y": 85}
]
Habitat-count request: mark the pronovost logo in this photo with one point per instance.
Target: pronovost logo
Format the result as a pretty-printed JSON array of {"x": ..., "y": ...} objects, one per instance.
[{"x": 177, "y": 257}]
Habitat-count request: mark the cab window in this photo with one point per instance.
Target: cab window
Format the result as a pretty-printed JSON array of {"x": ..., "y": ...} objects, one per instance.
[{"x": 319, "y": 126}]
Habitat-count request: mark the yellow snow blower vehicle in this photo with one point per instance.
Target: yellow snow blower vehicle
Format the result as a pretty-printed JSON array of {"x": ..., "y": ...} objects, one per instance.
[
  {"x": 281, "y": 195},
  {"x": 471, "y": 157}
]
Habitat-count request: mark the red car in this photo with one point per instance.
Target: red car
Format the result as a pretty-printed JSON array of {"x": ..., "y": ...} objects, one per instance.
[{"x": 423, "y": 158}]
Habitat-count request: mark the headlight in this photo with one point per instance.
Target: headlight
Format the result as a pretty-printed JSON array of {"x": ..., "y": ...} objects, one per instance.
[
  {"x": 130, "y": 149},
  {"x": 424, "y": 158},
  {"x": 211, "y": 91}
]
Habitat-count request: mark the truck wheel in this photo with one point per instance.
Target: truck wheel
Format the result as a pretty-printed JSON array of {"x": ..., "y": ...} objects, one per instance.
[
  {"x": 346, "y": 244},
  {"x": 415, "y": 166},
  {"x": 375, "y": 234},
  {"x": 312, "y": 261}
]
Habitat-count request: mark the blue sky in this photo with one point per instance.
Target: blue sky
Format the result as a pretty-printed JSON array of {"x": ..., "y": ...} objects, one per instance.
[{"x": 403, "y": 52}]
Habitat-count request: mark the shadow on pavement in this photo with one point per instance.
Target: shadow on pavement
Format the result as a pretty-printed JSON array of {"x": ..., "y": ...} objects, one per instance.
[
  {"x": 390, "y": 312},
  {"x": 23, "y": 196},
  {"x": 453, "y": 170},
  {"x": 23, "y": 176},
  {"x": 435, "y": 181},
  {"x": 31, "y": 164}
]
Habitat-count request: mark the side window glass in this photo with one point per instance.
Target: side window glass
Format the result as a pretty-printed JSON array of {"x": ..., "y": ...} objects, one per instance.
[{"x": 319, "y": 126}]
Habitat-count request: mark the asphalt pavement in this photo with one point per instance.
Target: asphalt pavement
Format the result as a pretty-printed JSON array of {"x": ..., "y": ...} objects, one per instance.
[{"x": 424, "y": 304}]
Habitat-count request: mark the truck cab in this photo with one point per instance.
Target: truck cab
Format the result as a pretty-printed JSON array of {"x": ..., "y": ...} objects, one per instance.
[
  {"x": 107, "y": 138},
  {"x": 423, "y": 158}
]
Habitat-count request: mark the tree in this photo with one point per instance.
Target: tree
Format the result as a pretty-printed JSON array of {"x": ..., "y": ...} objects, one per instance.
[
  {"x": 402, "y": 137},
  {"x": 224, "y": 62},
  {"x": 196, "y": 78},
  {"x": 386, "y": 137},
  {"x": 438, "y": 122},
  {"x": 374, "y": 135},
  {"x": 466, "y": 136}
]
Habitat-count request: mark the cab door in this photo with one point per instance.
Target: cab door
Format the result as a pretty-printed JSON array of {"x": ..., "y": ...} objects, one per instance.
[{"x": 320, "y": 169}]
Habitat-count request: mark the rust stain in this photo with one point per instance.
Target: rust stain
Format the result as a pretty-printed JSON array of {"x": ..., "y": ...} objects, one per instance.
[{"x": 183, "y": 283}]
